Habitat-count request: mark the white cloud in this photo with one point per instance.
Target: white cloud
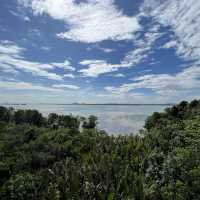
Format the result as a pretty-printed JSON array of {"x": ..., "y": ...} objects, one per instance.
[
  {"x": 97, "y": 67},
  {"x": 65, "y": 65},
  {"x": 46, "y": 48},
  {"x": 170, "y": 44},
  {"x": 12, "y": 61},
  {"x": 71, "y": 87},
  {"x": 163, "y": 84},
  {"x": 118, "y": 75},
  {"x": 97, "y": 20},
  {"x": 183, "y": 19},
  {"x": 131, "y": 59},
  {"x": 69, "y": 76},
  {"x": 7, "y": 47},
  {"x": 143, "y": 47},
  {"x": 107, "y": 50},
  {"x": 91, "y": 21},
  {"x": 21, "y": 16},
  {"x": 13, "y": 85}
]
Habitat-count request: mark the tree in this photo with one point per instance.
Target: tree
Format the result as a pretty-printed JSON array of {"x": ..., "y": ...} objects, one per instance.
[
  {"x": 33, "y": 117},
  {"x": 5, "y": 114},
  {"x": 91, "y": 123},
  {"x": 52, "y": 118},
  {"x": 19, "y": 117}
]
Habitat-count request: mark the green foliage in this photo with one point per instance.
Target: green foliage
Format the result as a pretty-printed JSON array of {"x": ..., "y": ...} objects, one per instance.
[
  {"x": 20, "y": 187},
  {"x": 32, "y": 117},
  {"x": 51, "y": 159},
  {"x": 90, "y": 123}
]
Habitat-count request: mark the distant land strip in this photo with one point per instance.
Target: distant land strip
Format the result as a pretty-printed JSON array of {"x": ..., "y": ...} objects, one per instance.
[{"x": 88, "y": 104}]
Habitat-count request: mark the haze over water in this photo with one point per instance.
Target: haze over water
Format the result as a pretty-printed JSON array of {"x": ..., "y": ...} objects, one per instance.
[{"x": 114, "y": 119}]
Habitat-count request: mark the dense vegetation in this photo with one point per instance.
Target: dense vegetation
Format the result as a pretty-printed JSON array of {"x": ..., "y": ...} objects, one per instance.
[{"x": 53, "y": 159}]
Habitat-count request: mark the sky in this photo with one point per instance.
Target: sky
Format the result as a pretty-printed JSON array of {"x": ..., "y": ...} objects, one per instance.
[{"x": 99, "y": 51}]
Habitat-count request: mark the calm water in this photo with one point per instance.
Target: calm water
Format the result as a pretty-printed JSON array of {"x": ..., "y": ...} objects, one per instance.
[{"x": 113, "y": 119}]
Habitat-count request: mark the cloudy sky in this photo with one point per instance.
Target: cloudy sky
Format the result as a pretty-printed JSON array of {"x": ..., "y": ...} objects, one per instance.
[{"x": 98, "y": 51}]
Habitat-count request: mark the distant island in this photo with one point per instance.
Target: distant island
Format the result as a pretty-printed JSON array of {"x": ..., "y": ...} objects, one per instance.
[{"x": 121, "y": 104}]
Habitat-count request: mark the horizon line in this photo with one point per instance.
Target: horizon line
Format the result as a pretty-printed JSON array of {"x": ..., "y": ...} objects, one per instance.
[{"x": 74, "y": 104}]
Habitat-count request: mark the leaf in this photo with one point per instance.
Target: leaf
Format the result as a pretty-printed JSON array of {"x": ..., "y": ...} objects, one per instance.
[{"x": 111, "y": 196}]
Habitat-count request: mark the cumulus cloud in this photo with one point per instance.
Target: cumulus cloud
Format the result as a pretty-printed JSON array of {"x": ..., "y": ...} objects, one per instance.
[
  {"x": 64, "y": 86},
  {"x": 12, "y": 61},
  {"x": 90, "y": 21}
]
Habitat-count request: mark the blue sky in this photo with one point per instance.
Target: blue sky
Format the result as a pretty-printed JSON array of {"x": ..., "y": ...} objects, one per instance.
[{"x": 99, "y": 51}]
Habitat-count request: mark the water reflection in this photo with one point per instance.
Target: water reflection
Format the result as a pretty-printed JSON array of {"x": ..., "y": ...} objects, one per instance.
[{"x": 113, "y": 119}]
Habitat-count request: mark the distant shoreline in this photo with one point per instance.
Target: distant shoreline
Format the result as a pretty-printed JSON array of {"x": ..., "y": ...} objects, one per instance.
[{"x": 85, "y": 104}]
